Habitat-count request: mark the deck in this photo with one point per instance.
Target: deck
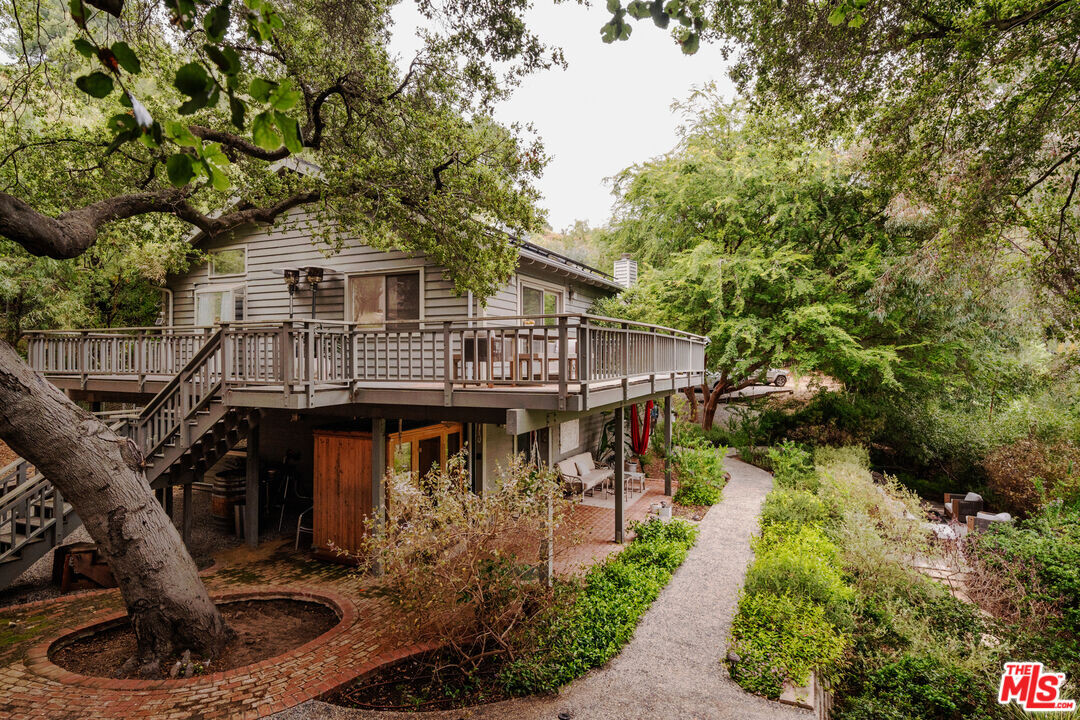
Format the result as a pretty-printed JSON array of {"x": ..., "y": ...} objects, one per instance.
[{"x": 563, "y": 362}]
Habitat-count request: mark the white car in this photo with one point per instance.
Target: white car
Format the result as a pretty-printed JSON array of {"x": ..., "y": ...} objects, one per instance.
[{"x": 774, "y": 376}]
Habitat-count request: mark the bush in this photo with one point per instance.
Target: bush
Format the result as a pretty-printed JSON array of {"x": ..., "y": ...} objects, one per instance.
[
  {"x": 605, "y": 612},
  {"x": 793, "y": 467},
  {"x": 1026, "y": 474},
  {"x": 700, "y": 468},
  {"x": 919, "y": 688},
  {"x": 803, "y": 563},
  {"x": 778, "y": 638},
  {"x": 793, "y": 507}
]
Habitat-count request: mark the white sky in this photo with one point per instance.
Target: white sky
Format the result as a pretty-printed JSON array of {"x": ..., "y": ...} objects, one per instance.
[{"x": 610, "y": 109}]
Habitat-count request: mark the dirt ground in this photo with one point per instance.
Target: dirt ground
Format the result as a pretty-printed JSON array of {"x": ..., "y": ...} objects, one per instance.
[{"x": 264, "y": 629}]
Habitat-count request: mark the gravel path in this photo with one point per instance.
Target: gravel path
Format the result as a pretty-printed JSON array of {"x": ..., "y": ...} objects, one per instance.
[{"x": 671, "y": 668}]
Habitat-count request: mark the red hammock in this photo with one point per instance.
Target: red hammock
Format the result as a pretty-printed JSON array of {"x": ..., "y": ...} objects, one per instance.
[{"x": 639, "y": 439}]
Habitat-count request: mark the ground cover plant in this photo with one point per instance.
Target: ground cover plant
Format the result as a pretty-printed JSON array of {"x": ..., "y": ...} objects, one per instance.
[
  {"x": 700, "y": 468},
  {"x": 833, "y": 590},
  {"x": 461, "y": 571}
]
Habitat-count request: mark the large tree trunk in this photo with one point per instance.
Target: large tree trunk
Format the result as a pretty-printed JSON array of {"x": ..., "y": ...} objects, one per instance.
[
  {"x": 100, "y": 474},
  {"x": 712, "y": 399}
]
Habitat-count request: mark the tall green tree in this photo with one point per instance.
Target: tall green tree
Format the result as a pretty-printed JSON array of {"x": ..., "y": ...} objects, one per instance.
[
  {"x": 767, "y": 244},
  {"x": 216, "y": 114}
]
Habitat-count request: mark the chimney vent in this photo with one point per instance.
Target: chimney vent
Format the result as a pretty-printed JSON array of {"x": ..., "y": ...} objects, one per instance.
[{"x": 625, "y": 271}]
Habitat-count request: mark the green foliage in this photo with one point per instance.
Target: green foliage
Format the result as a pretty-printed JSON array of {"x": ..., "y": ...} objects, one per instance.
[
  {"x": 766, "y": 243},
  {"x": 793, "y": 507},
  {"x": 605, "y": 612},
  {"x": 700, "y": 469},
  {"x": 792, "y": 467},
  {"x": 919, "y": 687},
  {"x": 800, "y": 561},
  {"x": 780, "y": 638}
]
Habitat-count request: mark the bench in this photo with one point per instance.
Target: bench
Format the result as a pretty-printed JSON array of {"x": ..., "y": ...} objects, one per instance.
[
  {"x": 958, "y": 506},
  {"x": 582, "y": 474}
]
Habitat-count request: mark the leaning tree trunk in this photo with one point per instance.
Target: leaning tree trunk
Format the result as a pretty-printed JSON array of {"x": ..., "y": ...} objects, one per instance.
[
  {"x": 100, "y": 474},
  {"x": 712, "y": 399}
]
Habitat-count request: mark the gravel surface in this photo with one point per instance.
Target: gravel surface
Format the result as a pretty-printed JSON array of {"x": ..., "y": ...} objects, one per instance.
[{"x": 671, "y": 668}]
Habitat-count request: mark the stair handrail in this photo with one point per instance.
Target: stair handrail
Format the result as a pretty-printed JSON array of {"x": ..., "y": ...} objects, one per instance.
[
  {"x": 32, "y": 482},
  {"x": 135, "y": 425}
]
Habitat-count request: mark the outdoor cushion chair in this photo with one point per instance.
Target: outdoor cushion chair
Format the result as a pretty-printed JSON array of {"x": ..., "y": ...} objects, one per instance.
[
  {"x": 958, "y": 506},
  {"x": 982, "y": 520},
  {"x": 582, "y": 474}
]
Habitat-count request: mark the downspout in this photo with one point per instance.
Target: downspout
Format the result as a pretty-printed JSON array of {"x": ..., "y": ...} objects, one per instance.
[{"x": 169, "y": 303}]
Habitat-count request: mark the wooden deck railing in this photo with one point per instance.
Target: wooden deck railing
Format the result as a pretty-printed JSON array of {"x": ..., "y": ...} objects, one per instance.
[{"x": 302, "y": 355}]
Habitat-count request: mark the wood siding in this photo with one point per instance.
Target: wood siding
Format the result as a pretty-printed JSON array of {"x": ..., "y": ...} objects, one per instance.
[
  {"x": 342, "y": 479},
  {"x": 294, "y": 243}
]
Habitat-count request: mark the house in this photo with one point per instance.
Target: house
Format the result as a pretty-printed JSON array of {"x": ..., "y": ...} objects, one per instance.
[{"x": 338, "y": 366}]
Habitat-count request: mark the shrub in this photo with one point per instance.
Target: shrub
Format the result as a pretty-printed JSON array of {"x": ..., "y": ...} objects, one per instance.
[
  {"x": 793, "y": 467},
  {"x": 1027, "y": 473},
  {"x": 700, "y": 468},
  {"x": 919, "y": 688},
  {"x": 793, "y": 507},
  {"x": 801, "y": 562},
  {"x": 778, "y": 638},
  {"x": 605, "y": 612}
]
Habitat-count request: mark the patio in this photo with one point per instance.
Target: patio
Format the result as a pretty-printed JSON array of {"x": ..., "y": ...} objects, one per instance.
[{"x": 32, "y": 687}]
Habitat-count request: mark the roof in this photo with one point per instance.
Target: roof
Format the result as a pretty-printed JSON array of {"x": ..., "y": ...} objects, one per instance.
[{"x": 552, "y": 261}]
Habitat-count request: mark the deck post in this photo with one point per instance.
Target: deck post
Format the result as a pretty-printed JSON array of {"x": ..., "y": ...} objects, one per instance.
[
  {"x": 625, "y": 362},
  {"x": 620, "y": 466},
  {"x": 378, "y": 468},
  {"x": 286, "y": 360},
  {"x": 563, "y": 360},
  {"x": 583, "y": 361},
  {"x": 448, "y": 375},
  {"x": 309, "y": 365},
  {"x": 189, "y": 514},
  {"x": 667, "y": 445},
  {"x": 251, "y": 486}
]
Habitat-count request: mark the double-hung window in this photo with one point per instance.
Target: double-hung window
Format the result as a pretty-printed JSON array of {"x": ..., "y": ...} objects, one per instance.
[
  {"x": 214, "y": 304},
  {"x": 537, "y": 300}
]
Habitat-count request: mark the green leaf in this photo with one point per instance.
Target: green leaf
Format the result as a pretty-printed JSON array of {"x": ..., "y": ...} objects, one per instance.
[
  {"x": 691, "y": 43},
  {"x": 192, "y": 80},
  {"x": 181, "y": 135},
  {"x": 179, "y": 169},
  {"x": 216, "y": 22},
  {"x": 227, "y": 59},
  {"x": 638, "y": 9},
  {"x": 237, "y": 109},
  {"x": 78, "y": 13},
  {"x": 260, "y": 89},
  {"x": 264, "y": 133},
  {"x": 614, "y": 6},
  {"x": 290, "y": 130},
  {"x": 284, "y": 97},
  {"x": 838, "y": 15},
  {"x": 96, "y": 84},
  {"x": 126, "y": 57},
  {"x": 122, "y": 122},
  {"x": 84, "y": 47},
  {"x": 856, "y": 21}
]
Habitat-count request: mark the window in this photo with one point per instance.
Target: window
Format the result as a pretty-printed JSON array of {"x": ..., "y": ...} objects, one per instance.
[
  {"x": 214, "y": 305},
  {"x": 540, "y": 301},
  {"x": 228, "y": 262},
  {"x": 391, "y": 300}
]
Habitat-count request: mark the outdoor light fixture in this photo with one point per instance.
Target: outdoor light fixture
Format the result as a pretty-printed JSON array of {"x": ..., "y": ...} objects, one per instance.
[
  {"x": 292, "y": 280},
  {"x": 314, "y": 275}
]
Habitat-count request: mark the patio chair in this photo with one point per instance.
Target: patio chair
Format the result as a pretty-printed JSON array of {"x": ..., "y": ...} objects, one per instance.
[
  {"x": 301, "y": 528},
  {"x": 981, "y": 521},
  {"x": 958, "y": 506},
  {"x": 582, "y": 474}
]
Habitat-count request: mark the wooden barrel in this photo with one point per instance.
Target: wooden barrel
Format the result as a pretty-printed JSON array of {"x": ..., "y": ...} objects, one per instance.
[{"x": 228, "y": 491}]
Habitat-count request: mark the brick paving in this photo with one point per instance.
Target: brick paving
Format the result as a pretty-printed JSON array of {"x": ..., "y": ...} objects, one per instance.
[{"x": 31, "y": 687}]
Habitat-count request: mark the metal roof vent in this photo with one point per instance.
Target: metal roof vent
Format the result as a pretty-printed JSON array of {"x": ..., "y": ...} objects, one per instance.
[{"x": 625, "y": 271}]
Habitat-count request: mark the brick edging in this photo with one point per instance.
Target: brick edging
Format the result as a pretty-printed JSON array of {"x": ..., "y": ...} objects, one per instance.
[{"x": 37, "y": 657}]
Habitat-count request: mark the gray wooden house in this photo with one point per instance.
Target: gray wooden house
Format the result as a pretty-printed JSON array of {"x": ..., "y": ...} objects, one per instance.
[{"x": 349, "y": 363}]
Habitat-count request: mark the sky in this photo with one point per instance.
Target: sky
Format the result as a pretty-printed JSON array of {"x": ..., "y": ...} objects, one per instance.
[{"x": 609, "y": 109}]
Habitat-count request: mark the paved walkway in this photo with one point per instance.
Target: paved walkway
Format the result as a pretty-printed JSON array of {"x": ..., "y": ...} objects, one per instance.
[{"x": 671, "y": 669}]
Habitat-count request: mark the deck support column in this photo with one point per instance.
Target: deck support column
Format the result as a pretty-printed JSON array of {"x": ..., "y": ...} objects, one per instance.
[
  {"x": 251, "y": 495},
  {"x": 620, "y": 467},
  {"x": 667, "y": 445},
  {"x": 378, "y": 468},
  {"x": 189, "y": 513}
]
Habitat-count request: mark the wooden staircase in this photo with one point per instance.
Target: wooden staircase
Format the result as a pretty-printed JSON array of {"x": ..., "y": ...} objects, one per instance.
[{"x": 182, "y": 432}]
